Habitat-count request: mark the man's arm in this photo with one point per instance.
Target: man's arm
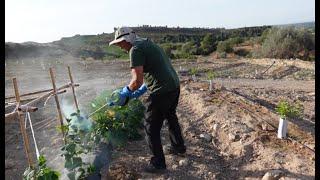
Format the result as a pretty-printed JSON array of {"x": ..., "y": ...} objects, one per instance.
[{"x": 137, "y": 78}]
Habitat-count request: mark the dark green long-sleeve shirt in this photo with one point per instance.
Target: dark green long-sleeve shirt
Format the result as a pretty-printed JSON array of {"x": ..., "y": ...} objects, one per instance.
[{"x": 159, "y": 74}]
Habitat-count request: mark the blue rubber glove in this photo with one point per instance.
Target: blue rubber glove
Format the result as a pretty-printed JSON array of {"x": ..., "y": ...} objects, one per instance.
[
  {"x": 126, "y": 92},
  {"x": 124, "y": 95},
  {"x": 139, "y": 92}
]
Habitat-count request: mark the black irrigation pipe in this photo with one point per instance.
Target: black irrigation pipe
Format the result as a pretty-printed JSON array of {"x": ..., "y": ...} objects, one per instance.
[{"x": 260, "y": 75}]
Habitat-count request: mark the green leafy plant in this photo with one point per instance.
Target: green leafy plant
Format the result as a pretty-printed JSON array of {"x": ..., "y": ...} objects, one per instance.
[
  {"x": 285, "y": 109},
  {"x": 41, "y": 172},
  {"x": 79, "y": 140},
  {"x": 211, "y": 75},
  {"x": 193, "y": 71},
  {"x": 117, "y": 124}
]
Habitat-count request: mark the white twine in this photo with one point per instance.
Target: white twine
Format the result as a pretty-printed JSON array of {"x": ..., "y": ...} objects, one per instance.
[
  {"x": 45, "y": 103},
  {"x": 25, "y": 121},
  {"x": 27, "y": 116}
]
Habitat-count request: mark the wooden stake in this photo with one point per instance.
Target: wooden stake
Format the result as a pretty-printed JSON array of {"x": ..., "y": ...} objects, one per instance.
[
  {"x": 21, "y": 101},
  {"x": 57, "y": 102},
  {"x": 72, "y": 87},
  {"x": 21, "y": 122},
  {"x": 38, "y": 92},
  {"x": 32, "y": 93}
]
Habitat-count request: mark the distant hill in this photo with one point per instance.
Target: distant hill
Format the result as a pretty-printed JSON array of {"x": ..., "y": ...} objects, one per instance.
[
  {"x": 32, "y": 49},
  {"x": 96, "y": 46},
  {"x": 303, "y": 24}
]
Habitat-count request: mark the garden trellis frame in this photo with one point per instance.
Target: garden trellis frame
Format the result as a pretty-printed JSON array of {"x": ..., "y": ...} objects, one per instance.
[{"x": 21, "y": 110}]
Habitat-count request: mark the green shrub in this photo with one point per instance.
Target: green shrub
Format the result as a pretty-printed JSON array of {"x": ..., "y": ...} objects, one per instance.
[
  {"x": 186, "y": 51},
  {"x": 235, "y": 41},
  {"x": 227, "y": 45},
  {"x": 224, "y": 46},
  {"x": 184, "y": 56},
  {"x": 189, "y": 48},
  {"x": 114, "y": 52},
  {"x": 263, "y": 36},
  {"x": 168, "y": 48},
  {"x": 285, "y": 109},
  {"x": 241, "y": 52},
  {"x": 222, "y": 54},
  {"x": 208, "y": 44},
  {"x": 286, "y": 43}
]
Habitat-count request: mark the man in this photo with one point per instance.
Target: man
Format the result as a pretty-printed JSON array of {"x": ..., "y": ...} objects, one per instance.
[{"x": 151, "y": 70}]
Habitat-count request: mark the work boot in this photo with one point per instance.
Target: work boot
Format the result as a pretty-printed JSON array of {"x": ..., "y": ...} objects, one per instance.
[
  {"x": 171, "y": 150},
  {"x": 156, "y": 166},
  {"x": 150, "y": 168}
]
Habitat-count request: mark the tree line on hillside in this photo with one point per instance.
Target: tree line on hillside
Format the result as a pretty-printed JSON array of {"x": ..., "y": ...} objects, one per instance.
[
  {"x": 275, "y": 42},
  {"x": 268, "y": 41}
]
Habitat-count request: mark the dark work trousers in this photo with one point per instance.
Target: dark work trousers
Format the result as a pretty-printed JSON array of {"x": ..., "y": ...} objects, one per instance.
[{"x": 161, "y": 107}]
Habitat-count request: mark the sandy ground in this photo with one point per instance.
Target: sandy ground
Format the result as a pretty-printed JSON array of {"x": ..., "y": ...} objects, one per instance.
[{"x": 228, "y": 132}]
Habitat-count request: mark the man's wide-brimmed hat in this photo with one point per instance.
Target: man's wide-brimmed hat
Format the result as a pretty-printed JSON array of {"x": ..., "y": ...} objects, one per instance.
[{"x": 123, "y": 33}]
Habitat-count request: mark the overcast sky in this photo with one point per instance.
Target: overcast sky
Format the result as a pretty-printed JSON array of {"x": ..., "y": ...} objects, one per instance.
[{"x": 50, "y": 20}]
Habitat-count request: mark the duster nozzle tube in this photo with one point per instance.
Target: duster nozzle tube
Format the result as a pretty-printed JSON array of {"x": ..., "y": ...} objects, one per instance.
[{"x": 97, "y": 110}]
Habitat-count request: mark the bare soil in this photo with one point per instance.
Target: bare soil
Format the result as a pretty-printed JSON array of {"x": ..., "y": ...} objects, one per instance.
[{"x": 238, "y": 118}]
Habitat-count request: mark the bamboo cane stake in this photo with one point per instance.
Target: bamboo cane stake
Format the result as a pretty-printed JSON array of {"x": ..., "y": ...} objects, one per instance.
[
  {"x": 31, "y": 93},
  {"x": 57, "y": 102},
  {"x": 74, "y": 95},
  {"x": 38, "y": 92},
  {"x": 9, "y": 103},
  {"x": 22, "y": 128}
]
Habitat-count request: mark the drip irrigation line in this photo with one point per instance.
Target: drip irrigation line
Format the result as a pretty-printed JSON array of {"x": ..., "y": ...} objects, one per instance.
[
  {"x": 39, "y": 122},
  {"x": 293, "y": 140},
  {"x": 260, "y": 75},
  {"x": 289, "y": 138},
  {"x": 45, "y": 124},
  {"x": 251, "y": 112},
  {"x": 48, "y": 124}
]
